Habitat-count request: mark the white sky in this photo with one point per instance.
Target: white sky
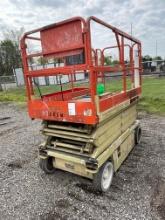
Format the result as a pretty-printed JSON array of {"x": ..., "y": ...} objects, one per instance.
[{"x": 146, "y": 16}]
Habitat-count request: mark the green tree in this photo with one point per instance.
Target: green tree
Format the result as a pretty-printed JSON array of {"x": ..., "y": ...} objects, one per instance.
[
  {"x": 146, "y": 58},
  {"x": 9, "y": 57},
  {"x": 9, "y": 51},
  {"x": 42, "y": 61},
  {"x": 108, "y": 60},
  {"x": 14, "y": 35},
  {"x": 159, "y": 59}
]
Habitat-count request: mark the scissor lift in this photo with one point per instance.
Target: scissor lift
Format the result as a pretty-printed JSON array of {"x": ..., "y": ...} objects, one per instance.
[{"x": 89, "y": 131}]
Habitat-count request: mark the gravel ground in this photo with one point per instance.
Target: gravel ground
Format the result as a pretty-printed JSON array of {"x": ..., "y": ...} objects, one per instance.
[{"x": 137, "y": 192}]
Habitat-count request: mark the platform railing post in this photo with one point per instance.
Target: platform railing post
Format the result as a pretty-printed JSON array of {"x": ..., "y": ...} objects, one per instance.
[
  {"x": 123, "y": 64},
  {"x": 25, "y": 66},
  {"x": 132, "y": 66}
]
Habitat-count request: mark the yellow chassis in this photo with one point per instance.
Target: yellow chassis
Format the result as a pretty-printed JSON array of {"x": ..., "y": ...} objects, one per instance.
[{"x": 112, "y": 139}]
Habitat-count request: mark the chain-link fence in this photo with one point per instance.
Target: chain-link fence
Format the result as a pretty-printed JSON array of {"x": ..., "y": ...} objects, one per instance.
[
  {"x": 8, "y": 82},
  {"x": 17, "y": 79}
]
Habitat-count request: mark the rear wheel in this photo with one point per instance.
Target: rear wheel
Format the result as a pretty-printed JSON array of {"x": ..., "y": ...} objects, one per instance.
[
  {"x": 138, "y": 134},
  {"x": 47, "y": 165},
  {"x": 103, "y": 179}
]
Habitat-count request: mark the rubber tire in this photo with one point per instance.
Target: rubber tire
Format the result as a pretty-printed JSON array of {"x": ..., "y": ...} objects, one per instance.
[
  {"x": 97, "y": 181},
  {"x": 47, "y": 165},
  {"x": 138, "y": 134}
]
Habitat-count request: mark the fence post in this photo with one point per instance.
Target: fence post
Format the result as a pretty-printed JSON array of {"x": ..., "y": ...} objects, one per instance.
[
  {"x": 14, "y": 74},
  {"x": 1, "y": 89}
]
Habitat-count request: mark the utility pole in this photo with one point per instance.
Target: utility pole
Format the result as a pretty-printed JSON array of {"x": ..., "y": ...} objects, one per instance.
[
  {"x": 156, "y": 48},
  {"x": 131, "y": 33},
  {"x": 131, "y": 29}
]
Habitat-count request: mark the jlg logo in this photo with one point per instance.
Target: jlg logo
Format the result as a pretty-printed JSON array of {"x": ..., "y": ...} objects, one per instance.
[
  {"x": 69, "y": 166},
  {"x": 52, "y": 114}
]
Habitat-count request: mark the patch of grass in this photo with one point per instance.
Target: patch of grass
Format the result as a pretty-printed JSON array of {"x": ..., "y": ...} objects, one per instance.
[
  {"x": 152, "y": 105},
  {"x": 153, "y": 96},
  {"x": 153, "y": 93},
  {"x": 13, "y": 95},
  {"x": 152, "y": 100}
]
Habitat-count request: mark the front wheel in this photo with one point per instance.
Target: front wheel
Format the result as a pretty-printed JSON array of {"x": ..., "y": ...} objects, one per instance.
[
  {"x": 47, "y": 165},
  {"x": 103, "y": 179}
]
